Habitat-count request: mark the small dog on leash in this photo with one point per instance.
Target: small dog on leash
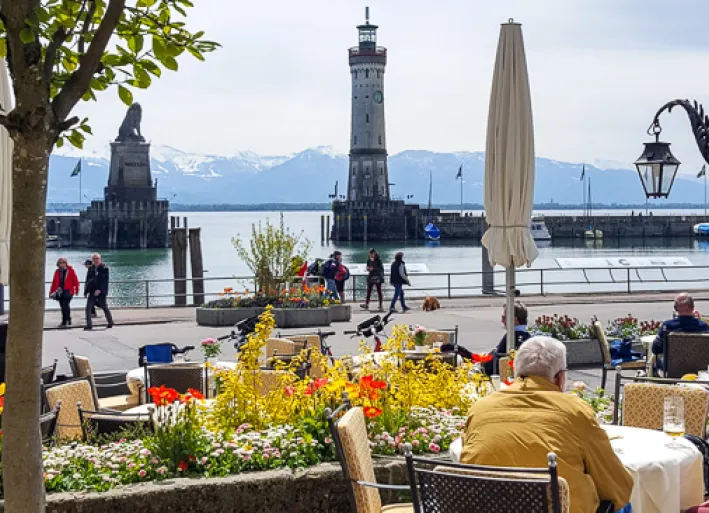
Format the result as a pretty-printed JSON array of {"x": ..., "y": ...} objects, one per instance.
[{"x": 430, "y": 304}]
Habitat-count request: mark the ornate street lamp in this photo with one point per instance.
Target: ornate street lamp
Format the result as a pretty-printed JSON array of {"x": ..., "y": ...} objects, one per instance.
[{"x": 657, "y": 167}]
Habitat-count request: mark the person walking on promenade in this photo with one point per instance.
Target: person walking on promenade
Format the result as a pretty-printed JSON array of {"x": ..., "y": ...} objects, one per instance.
[
  {"x": 399, "y": 278},
  {"x": 90, "y": 274},
  {"x": 98, "y": 292},
  {"x": 329, "y": 272},
  {"x": 343, "y": 274},
  {"x": 65, "y": 285},
  {"x": 375, "y": 268}
]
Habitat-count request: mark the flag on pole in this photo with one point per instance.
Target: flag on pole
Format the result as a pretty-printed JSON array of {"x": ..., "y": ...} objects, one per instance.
[
  {"x": 77, "y": 169},
  {"x": 702, "y": 171},
  {"x": 460, "y": 172},
  {"x": 583, "y": 172}
]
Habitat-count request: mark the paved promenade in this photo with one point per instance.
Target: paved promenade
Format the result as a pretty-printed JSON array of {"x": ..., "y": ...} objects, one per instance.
[{"x": 478, "y": 320}]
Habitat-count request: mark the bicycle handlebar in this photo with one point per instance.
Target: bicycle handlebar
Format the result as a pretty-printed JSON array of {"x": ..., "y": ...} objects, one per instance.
[
  {"x": 225, "y": 337},
  {"x": 349, "y": 332}
]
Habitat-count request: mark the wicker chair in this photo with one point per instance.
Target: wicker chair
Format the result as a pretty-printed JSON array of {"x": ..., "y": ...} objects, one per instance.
[
  {"x": 106, "y": 423},
  {"x": 643, "y": 403},
  {"x": 81, "y": 366},
  {"x": 312, "y": 342},
  {"x": 48, "y": 373},
  {"x": 352, "y": 446},
  {"x": 606, "y": 351},
  {"x": 685, "y": 353},
  {"x": 68, "y": 425},
  {"x": 506, "y": 371},
  {"x": 447, "y": 358},
  {"x": 180, "y": 376},
  {"x": 480, "y": 489},
  {"x": 48, "y": 424}
]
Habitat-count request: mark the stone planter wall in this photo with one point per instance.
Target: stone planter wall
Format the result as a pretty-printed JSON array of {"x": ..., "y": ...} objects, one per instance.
[
  {"x": 302, "y": 317},
  {"x": 225, "y": 316},
  {"x": 341, "y": 313},
  {"x": 314, "y": 490}
]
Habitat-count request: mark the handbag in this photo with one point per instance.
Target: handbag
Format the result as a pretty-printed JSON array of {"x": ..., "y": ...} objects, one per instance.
[{"x": 58, "y": 294}]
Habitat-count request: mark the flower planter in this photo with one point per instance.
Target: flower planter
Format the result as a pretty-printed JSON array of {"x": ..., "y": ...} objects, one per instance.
[
  {"x": 302, "y": 317},
  {"x": 341, "y": 313},
  {"x": 225, "y": 316}
]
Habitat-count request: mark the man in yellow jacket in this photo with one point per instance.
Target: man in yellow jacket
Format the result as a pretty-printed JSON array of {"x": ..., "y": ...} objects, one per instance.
[{"x": 519, "y": 426}]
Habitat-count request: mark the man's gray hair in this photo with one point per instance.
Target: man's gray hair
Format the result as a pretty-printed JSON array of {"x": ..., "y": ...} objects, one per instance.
[
  {"x": 540, "y": 356},
  {"x": 95, "y": 255}
]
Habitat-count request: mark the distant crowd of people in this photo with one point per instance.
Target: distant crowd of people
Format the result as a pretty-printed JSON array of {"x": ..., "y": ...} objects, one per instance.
[
  {"x": 335, "y": 274},
  {"x": 65, "y": 286}
]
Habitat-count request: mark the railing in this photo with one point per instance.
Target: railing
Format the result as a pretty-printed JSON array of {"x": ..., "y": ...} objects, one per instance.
[{"x": 160, "y": 292}]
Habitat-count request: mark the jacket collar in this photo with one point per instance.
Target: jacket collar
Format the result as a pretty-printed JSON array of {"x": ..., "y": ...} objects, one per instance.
[{"x": 533, "y": 384}]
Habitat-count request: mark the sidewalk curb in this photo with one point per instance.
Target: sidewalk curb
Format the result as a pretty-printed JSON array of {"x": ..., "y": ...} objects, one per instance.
[{"x": 131, "y": 322}]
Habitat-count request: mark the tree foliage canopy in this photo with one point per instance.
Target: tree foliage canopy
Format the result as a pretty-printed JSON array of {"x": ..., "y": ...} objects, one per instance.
[{"x": 83, "y": 47}]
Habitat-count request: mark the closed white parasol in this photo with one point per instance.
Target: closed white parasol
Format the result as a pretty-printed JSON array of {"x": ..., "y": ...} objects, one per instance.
[
  {"x": 5, "y": 179},
  {"x": 509, "y": 165}
]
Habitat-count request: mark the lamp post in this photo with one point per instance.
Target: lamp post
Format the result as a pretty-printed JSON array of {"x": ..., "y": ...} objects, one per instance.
[{"x": 657, "y": 167}]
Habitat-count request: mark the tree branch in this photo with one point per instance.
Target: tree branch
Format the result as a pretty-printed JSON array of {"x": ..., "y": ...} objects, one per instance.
[
  {"x": 88, "y": 22},
  {"x": 57, "y": 40},
  {"x": 65, "y": 125},
  {"x": 89, "y": 63}
]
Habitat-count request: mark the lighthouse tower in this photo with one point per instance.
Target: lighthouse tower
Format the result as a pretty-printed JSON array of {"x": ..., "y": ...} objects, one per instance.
[{"x": 368, "y": 174}]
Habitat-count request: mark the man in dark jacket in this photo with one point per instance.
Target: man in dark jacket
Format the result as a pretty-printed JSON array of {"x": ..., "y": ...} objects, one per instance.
[
  {"x": 521, "y": 336},
  {"x": 90, "y": 274},
  {"x": 685, "y": 322},
  {"x": 329, "y": 272},
  {"x": 98, "y": 292},
  {"x": 399, "y": 278}
]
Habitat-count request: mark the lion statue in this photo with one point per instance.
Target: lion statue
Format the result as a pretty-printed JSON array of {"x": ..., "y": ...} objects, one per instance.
[{"x": 130, "y": 128}]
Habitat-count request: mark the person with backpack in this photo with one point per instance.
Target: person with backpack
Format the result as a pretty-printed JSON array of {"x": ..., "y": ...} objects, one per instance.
[
  {"x": 343, "y": 274},
  {"x": 329, "y": 271},
  {"x": 314, "y": 271},
  {"x": 375, "y": 267},
  {"x": 399, "y": 278}
]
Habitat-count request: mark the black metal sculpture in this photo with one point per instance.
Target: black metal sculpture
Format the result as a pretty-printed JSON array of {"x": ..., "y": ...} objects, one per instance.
[
  {"x": 130, "y": 128},
  {"x": 697, "y": 118}
]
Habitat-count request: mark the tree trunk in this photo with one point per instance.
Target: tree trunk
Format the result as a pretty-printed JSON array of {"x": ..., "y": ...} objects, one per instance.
[{"x": 23, "y": 479}]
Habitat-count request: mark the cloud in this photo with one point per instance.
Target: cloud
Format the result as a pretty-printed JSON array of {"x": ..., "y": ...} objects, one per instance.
[{"x": 599, "y": 69}]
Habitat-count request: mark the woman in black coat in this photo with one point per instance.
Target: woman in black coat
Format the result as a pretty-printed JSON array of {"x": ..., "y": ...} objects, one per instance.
[{"x": 375, "y": 267}]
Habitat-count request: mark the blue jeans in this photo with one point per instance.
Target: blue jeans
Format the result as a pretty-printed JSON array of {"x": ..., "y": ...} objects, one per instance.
[
  {"x": 398, "y": 295},
  {"x": 332, "y": 289}
]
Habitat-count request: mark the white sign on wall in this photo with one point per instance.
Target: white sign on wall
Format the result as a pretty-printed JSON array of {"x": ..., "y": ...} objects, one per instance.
[
  {"x": 622, "y": 262},
  {"x": 361, "y": 269}
]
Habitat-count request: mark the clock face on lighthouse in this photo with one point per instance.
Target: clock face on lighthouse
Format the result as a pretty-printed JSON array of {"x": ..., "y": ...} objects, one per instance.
[{"x": 378, "y": 96}]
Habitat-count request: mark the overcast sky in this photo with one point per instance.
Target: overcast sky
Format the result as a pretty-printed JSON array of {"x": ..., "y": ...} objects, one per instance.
[{"x": 599, "y": 69}]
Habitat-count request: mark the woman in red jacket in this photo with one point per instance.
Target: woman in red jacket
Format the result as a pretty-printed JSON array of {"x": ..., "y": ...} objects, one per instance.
[{"x": 65, "y": 286}]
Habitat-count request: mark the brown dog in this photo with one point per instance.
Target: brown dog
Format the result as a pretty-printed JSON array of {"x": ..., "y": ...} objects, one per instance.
[{"x": 430, "y": 304}]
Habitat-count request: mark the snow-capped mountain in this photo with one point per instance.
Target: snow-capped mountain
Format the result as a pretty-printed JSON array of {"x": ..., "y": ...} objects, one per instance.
[{"x": 309, "y": 177}]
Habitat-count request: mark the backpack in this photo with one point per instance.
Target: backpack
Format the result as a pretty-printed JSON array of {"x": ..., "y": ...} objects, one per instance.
[{"x": 315, "y": 269}]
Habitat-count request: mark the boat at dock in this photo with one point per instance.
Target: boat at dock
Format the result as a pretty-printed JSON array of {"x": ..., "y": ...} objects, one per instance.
[
  {"x": 701, "y": 230},
  {"x": 539, "y": 229},
  {"x": 431, "y": 231},
  {"x": 52, "y": 241}
]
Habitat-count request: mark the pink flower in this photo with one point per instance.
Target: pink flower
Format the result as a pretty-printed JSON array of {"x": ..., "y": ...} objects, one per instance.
[
  {"x": 208, "y": 342},
  {"x": 415, "y": 443},
  {"x": 142, "y": 473},
  {"x": 434, "y": 447}
]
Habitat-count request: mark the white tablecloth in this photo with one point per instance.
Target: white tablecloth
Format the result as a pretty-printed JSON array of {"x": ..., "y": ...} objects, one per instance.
[
  {"x": 665, "y": 480},
  {"x": 137, "y": 376}
]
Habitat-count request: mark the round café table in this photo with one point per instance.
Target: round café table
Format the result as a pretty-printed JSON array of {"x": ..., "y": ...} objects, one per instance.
[{"x": 665, "y": 479}]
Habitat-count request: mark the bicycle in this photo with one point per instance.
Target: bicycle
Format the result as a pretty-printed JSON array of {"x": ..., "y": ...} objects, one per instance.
[
  {"x": 372, "y": 327},
  {"x": 241, "y": 332},
  {"x": 325, "y": 349}
]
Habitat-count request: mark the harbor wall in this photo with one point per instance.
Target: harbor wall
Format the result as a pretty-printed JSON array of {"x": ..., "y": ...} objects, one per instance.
[{"x": 396, "y": 221}]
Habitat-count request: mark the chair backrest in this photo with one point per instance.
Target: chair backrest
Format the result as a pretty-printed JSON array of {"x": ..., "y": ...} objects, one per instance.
[
  {"x": 181, "y": 377},
  {"x": 433, "y": 336},
  {"x": 603, "y": 340},
  {"x": 48, "y": 373},
  {"x": 69, "y": 393},
  {"x": 685, "y": 353},
  {"x": 48, "y": 423},
  {"x": 352, "y": 445},
  {"x": 311, "y": 342},
  {"x": 105, "y": 423},
  {"x": 72, "y": 365},
  {"x": 447, "y": 358},
  {"x": 83, "y": 370},
  {"x": 506, "y": 371},
  {"x": 456, "y": 488},
  {"x": 156, "y": 354}
]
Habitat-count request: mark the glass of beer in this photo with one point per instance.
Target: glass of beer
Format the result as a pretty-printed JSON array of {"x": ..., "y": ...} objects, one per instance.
[{"x": 673, "y": 422}]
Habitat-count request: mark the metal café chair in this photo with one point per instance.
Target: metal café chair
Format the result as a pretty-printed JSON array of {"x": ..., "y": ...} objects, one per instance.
[
  {"x": 179, "y": 376},
  {"x": 48, "y": 424},
  {"x": 107, "y": 423},
  {"x": 49, "y": 372}
]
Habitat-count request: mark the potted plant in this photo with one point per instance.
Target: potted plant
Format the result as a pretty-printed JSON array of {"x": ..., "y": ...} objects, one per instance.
[{"x": 211, "y": 349}]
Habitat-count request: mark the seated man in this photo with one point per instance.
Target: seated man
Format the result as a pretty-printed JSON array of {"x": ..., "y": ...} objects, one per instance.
[
  {"x": 520, "y": 425},
  {"x": 521, "y": 334},
  {"x": 685, "y": 321}
]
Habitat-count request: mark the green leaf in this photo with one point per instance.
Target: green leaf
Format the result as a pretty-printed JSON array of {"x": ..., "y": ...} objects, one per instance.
[
  {"x": 151, "y": 67},
  {"x": 135, "y": 43},
  {"x": 86, "y": 128},
  {"x": 142, "y": 77},
  {"x": 26, "y": 35},
  {"x": 170, "y": 63},
  {"x": 3, "y": 47},
  {"x": 145, "y": 3},
  {"x": 125, "y": 95},
  {"x": 76, "y": 139},
  {"x": 196, "y": 53},
  {"x": 60, "y": 142}
]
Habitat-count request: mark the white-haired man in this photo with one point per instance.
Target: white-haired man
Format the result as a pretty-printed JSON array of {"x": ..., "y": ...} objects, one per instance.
[
  {"x": 97, "y": 292},
  {"x": 520, "y": 425}
]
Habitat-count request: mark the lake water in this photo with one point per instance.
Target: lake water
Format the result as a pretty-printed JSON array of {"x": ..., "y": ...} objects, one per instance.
[{"x": 130, "y": 268}]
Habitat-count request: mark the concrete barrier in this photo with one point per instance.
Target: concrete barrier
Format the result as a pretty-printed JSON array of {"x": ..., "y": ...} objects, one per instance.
[
  {"x": 302, "y": 317},
  {"x": 225, "y": 316},
  {"x": 321, "y": 488},
  {"x": 341, "y": 313}
]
